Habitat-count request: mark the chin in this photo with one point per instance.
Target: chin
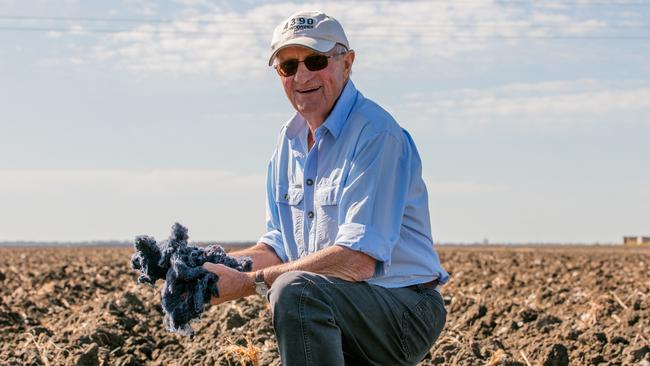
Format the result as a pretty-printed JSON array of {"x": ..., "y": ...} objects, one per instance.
[{"x": 306, "y": 110}]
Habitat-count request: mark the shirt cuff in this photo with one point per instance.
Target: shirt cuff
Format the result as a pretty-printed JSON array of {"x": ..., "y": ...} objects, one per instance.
[
  {"x": 274, "y": 239},
  {"x": 367, "y": 240}
]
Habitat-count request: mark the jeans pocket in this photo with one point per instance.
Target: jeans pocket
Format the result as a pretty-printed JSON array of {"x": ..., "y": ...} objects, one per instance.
[{"x": 421, "y": 326}]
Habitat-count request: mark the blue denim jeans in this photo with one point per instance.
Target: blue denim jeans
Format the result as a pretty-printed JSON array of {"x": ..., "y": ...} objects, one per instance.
[{"x": 321, "y": 320}]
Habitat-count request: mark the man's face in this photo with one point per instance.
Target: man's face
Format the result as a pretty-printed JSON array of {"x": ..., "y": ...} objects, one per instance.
[{"x": 313, "y": 93}]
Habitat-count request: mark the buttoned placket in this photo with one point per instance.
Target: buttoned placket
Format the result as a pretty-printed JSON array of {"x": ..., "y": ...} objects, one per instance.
[{"x": 309, "y": 185}]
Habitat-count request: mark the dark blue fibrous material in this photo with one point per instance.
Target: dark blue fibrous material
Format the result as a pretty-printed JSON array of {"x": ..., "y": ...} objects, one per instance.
[{"x": 188, "y": 286}]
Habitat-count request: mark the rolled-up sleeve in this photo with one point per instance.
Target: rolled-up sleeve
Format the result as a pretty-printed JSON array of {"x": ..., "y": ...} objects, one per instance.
[
  {"x": 273, "y": 236},
  {"x": 372, "y": 202}
]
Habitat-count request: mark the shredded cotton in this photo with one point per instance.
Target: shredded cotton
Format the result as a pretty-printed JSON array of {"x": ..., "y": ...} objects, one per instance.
[{"x": 188, "y": 286}]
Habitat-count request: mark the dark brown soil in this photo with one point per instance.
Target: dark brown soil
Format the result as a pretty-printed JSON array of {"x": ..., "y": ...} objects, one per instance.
[{"x": 507, "y": 306}]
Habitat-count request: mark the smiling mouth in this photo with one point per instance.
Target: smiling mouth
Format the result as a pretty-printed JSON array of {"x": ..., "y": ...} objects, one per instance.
[{"x": 307, "y": 91}]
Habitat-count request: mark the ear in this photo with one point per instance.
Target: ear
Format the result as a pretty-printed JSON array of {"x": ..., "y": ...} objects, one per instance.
[{"x": 348, "y": 60}]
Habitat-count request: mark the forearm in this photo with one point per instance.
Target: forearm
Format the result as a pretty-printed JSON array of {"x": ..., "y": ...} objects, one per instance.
[
  {"x": 262, "y": 255},
  {"x": 336, "y": 261}
]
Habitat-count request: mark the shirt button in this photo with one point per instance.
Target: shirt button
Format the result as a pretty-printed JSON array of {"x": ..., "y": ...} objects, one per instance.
[
  {"x": 310, "y": 214},
  {"x": 310, "y": 182}
]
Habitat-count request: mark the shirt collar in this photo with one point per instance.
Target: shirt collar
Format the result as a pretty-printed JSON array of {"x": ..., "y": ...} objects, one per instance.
[
  {"x": 295, "y": 125},
  {"x": 335, "y": 121},
  {"x": 339, "y": 115}
]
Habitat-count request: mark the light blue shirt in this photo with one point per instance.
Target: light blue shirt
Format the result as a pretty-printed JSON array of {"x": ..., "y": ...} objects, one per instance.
[{"x": 360, "y": 187}]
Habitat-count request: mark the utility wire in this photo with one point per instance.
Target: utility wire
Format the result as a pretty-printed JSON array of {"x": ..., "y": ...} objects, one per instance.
[
  {"x": 90, "y": 19},
  {"x": 368, "y": 35},
  {"x": 235, "y": 21},
  {"x": 423, "y": 29},
  {"x": 515, "y": 2}
]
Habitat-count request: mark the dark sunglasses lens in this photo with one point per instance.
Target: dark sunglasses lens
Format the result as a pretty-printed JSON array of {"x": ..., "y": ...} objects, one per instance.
[
  {"x": 315, "y": 62},
  {"x": 289, "y": 67}
]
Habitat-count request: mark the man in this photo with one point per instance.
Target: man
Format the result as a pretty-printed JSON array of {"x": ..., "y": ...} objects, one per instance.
[{"x": 348, "y": 255}]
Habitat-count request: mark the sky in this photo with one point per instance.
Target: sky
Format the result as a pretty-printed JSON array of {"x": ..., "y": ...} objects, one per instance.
[{"x": 119, "y": 118}]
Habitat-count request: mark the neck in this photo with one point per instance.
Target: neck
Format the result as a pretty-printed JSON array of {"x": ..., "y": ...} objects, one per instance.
[
  {"x": 315, "y": 121},
  {"x": 310, "y": 139}
]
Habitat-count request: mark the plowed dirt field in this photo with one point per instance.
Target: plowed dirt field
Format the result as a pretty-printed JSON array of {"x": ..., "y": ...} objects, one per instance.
[{"x": 507, "y": 306}]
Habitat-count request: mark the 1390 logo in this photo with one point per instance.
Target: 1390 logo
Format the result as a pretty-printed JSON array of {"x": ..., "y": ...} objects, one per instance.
[{"x": 299, "y": 23}]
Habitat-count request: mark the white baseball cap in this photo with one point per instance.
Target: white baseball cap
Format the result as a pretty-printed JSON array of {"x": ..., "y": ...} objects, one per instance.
[{"x": 311, "y": 29}]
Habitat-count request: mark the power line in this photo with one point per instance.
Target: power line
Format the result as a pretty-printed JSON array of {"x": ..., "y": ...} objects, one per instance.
[
  {"x": 423, "y": 29},
  {"x": 355, "y": 25},
  {"x": 414, "y": 26},
  {"x": 87, "y": 19},
  {"x": 368, "y": 35},
  {"x": 236, "y": 21},
  {"x": 517, "y": 2},
  {"x": 105, "y": 30}
]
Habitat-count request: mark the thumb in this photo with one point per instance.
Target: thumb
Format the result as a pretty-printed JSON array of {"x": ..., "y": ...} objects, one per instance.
[{"x": 212, "y": 267}]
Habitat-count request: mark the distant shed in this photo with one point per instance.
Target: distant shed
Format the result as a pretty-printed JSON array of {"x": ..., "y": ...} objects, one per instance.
[{"x": 636, "y": 240}]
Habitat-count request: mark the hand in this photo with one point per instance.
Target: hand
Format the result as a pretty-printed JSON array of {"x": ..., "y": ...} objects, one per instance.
[{"x": 232, "y": 284}]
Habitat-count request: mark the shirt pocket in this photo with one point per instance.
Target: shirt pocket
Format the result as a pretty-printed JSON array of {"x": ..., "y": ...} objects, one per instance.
[
  {"x": 327, "y": 195},
  {"x": 289, "y": 195},
  {"x": 289, "y": 203},
  {"x": 327, "y": 215}
]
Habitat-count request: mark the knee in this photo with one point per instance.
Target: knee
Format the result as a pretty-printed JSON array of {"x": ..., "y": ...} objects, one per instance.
[{"x": 287, "y": 289}]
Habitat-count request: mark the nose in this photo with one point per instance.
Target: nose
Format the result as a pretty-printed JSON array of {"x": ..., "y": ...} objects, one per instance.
[{"x": 302, "y": 74}]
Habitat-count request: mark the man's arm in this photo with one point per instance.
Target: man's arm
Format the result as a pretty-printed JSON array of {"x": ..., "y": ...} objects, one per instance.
[
  {"x": 336, "y": 261},
  {"x": 262, "y": 255}
]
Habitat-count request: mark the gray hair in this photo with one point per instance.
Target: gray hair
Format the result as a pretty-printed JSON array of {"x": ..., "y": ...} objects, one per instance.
[{"x": 338, "y": 49}]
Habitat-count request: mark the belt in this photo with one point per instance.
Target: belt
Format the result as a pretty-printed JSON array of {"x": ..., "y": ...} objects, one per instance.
[{"x": 431, "y": 285}]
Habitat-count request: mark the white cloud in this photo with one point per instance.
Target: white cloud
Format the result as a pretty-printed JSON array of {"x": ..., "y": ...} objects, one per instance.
[
  {"x": 143, "y": 7},
  {"x": 77, "y": 30},
  {"x": 54, "y": 34},
  {"x": 205, "y": 38},
  {"x": 565, "y": 22},
  {"x": 546, "y": 103}
]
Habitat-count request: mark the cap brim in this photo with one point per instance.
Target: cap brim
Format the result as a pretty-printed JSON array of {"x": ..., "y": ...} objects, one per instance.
[{"x": 318, "y": 45}]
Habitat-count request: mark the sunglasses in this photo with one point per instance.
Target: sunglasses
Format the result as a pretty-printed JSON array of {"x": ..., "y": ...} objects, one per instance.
[{"x": 312, "y": 63}]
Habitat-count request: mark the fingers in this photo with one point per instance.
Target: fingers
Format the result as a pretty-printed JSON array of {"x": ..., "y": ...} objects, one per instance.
[
  {"x": 232, "y": 284},
  {"x": 212, "y": 267},
  {"x": 215, "y": 300}
]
